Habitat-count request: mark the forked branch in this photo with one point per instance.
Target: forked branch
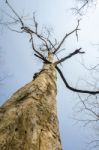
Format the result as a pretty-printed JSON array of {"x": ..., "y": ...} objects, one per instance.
[
  {"x": 67, "y": 35},
  {"x": 31, "y": 32},
  {"x": 77, "y": 51},
  {"x": 20, "y": 20}
]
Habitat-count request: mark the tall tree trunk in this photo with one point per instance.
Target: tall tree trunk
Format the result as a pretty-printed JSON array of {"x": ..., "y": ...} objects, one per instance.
[{"x": 28, "y": 120}]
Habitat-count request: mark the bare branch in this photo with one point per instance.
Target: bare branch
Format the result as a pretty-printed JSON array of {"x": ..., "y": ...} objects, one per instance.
[
  {"x": 36, "y": 50},
  {"x": 88, "y": 109},
  {"x": 77, "y": 30},
  {"x": 13, "y": 29},
  {"x": 29, "y": 31},
  {"x": 64, "y": 38},
  {"x": 83, "y": 6},
  {"x": 72, "y": 88},
  {"x": 7, "y": 14},
  {"x": 44, "y": 59},
  {"x": 35, "y": 23},
  {"x": 77, "y": 51},
  {"x": 78, "y": 10},
  {"x": 51, "y": 44},
  {"x": 15, "y": 13}
]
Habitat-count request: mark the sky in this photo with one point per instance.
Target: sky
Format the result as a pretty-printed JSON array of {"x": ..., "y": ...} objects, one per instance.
[{"x": 18, "y": 63}]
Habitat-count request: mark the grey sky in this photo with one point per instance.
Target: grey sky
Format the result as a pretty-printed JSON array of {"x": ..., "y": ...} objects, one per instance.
[{"x": 20, "y": 64}]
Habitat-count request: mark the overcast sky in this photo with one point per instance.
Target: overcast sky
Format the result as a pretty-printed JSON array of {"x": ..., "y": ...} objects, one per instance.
[{"x": 18, "y": 64}]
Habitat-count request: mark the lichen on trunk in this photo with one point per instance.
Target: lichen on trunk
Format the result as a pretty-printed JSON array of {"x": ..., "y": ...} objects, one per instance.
[{"x": 28, "y": 120}]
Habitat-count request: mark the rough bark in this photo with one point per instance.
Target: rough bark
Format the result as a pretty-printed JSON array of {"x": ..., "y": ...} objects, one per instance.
[{"x": 28, "y": 120}]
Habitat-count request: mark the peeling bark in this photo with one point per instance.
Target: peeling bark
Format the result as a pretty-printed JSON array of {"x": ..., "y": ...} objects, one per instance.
[{"x": 28, "y": 120}]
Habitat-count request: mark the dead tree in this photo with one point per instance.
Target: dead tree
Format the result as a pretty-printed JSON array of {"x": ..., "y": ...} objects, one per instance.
[{"x": 28, "y": 120}]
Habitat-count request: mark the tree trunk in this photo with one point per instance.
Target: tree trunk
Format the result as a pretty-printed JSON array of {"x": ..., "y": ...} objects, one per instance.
[{"x": 28, "y": 120}]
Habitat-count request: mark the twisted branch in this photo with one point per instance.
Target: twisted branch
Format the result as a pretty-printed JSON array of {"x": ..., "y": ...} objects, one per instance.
[{"x": 72, "y": 88}]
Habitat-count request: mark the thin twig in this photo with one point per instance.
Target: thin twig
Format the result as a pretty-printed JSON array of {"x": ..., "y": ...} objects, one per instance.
[{"x": 15, "y": 12}]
